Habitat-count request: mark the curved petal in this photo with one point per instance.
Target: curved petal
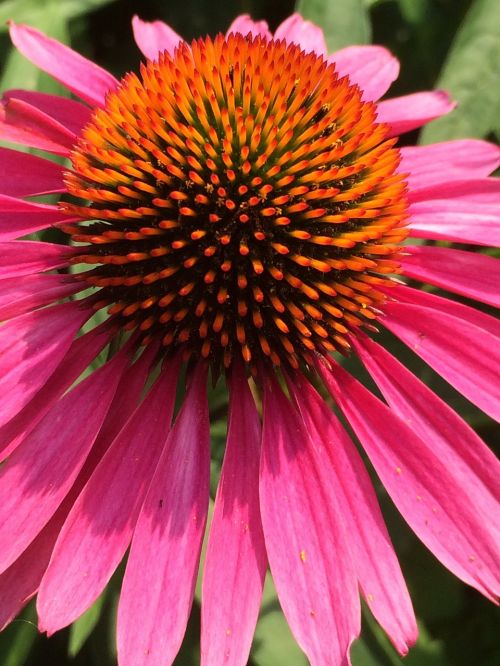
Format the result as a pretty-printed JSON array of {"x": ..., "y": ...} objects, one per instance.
[
  {"x": 69, "y": 113},
  {"x": 308, "y": 36},
  {"x": 81, "y": 353},
  {"x": 372, "y": 68},
  {"x": 421, "y": 484},
  {"x": 19, "y": 295},
  {"x": 19, "y": 217},
  {"x": 45, "y": 177},
  {"x": 245, "y": 25},
  {"x": 26, "y": 257},
  {"x": 40, "y": 472},
  {"x": 31, "y": 348},
  {"x": 236, "y": 561},
  {"x": 455, "y": 220},
  {"x": 412, "y": 296},
  {"x": 467, "y": 273},
  {"x": 306, "y": 537},
  {"x": 83, "y": 77},
  {"x": 475, "y": 468},
  {"x": 437, "y": 162},
  {"x": 473, "y": 190},
  {"x": 99, "y": 527},
  {"x": 375, "y": 561},
  {"x": 161, "y": 570},
  {"x": 467, "y": 356},
  {"x": 154, "y": 37},
  {"x": 408, "y": 112},
  {"x": 23, "y": 123}
]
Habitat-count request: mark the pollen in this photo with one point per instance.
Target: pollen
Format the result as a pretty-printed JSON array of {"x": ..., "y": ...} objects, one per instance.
[{"x": 238, "y": 199}]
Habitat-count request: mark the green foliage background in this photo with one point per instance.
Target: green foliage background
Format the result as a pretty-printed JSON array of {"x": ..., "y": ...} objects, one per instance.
[{"x": 454, "y": 44}]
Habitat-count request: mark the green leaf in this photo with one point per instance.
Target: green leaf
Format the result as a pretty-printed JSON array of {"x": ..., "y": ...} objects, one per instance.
[
  {"x": 34, "y": 12},
  {"x": 344, "y": 22},
  {"x": 17, "y": 640},
  {"x": 470, "y": 74},
  {"x": 84, "y": 626}
]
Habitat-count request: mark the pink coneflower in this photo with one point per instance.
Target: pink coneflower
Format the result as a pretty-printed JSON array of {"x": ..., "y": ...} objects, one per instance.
[{"x": 238, "y": 209}]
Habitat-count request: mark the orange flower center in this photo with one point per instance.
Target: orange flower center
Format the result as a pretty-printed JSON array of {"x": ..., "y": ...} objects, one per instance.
[{"x": 239, "y": 200}]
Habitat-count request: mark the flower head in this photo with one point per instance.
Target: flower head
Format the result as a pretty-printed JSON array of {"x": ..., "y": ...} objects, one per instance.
[{"x": 239, "y": 207}]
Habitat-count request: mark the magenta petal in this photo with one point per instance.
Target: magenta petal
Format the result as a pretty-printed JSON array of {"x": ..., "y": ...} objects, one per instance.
[
  {"x": 456, "y": 220},
  {"x": 236, "y": 561},
  {"x": 306, "y": 538},
  {"x": 422, "y": 485},
  {"x": 19, "y": 295},
  {"x": 411, "y": 111},
  {"x": 99, "y": 527},
  {"x": 81, "y": 353},
  {"x": 244, "y": 25},
  {"x": 428, "y": 165},
  {"x": 31, "y": 348},
  {"x": 372, "y": 68},
  {"x": 40, "y": 472},
  {"x": 474, "y": 190},
  {"x": 474, "y": 466},
  {"x": 45, "y": 177},
  {"x": 159, "y": 581},
  {"x": 83, "y": 77},
  {"x": 468, "y": 273},
  {"x": 19, "y": 217},
  {"x": 21, "y": 122},
  {"x": 26, "y": 257},
  {"x": 375, "y": 561},
  {"x": 154, "y": 37},
  {"x": 417, "y": 297},
  {"x": 295, "y": 30},
  {"x": 69, "y": 113},
  {"x": 467, "y": 356}
]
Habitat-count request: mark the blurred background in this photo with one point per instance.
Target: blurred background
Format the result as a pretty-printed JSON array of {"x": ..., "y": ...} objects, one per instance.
[{"x": 452, "y": 44}]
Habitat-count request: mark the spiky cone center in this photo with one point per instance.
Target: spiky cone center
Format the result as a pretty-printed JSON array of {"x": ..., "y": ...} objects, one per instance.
[{"x": 239, "y": 200}]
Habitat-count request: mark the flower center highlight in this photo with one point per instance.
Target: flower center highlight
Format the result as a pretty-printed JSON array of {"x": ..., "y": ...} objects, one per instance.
[{"x": 239, "y": 200}]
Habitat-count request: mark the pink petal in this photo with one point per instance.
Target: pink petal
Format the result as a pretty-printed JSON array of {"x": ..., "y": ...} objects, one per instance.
[
  {"x": 456, "y": 220},
  {"x": 421, "y": 484},
  {"x": 19, "y": 583},
  {"x": 375, "y": 561},
  {"x": 427, "y": 165},
  {"x": 45, "y": 177},
  {"x": 236, "y": 561},
  {"x": 417, "y": 297},
  {"x": 68, "y": 112},
  {"x": 467, "y": 356},
  {"x": 25, "y": 124},
  {"x": 31, "y": 348},
  {"x": 26, "y": 257},
  {"x": 474, "y": 190},
  {"x": 159, "y": 581},
  {"x": 22, "y": 579},
  {"x": 19, "y": 217},
  {"x": 372, "y": 68},
  {"x": 81, "y": 76},
  {"x": 308, "y": 36},
  {"x": 306, "y": 536},
  {"x": 19, "y": 295},
  {"x": 99, "y": 526},
  {"x": 468, "y": 273},
  {"x": 411, "y": 111},
  {"x": 40, "y": 472},
  {"x": 474, "y": 466},
  {"x": 154, "y": 37},
  {"x": 244, "y": 25},
  {"x": 81, "y": 353}
]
